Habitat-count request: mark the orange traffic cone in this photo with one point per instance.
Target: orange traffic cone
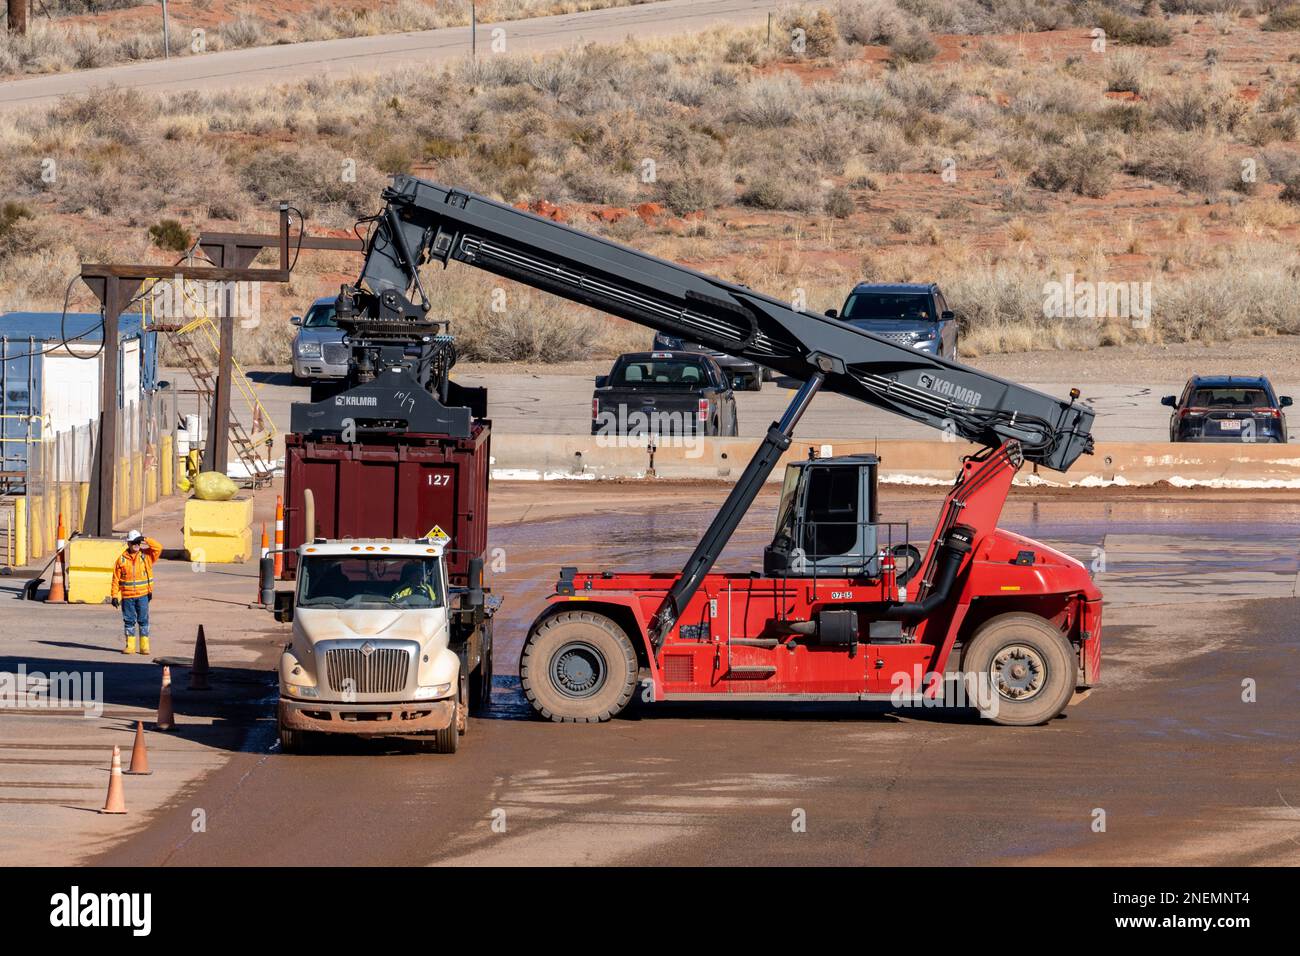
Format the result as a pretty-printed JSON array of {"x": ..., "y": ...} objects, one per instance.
[
  {"x": 279, "y": 536},
  {"x": 57, "y": 594},
  {"x": 116, "y": 802},
  {"x": 199, "y": 669},
  {"x": 166, "y": 720},
  {"x": 139, "y": 756}
]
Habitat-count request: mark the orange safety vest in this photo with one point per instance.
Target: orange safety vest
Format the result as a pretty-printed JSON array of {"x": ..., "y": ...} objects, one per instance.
[{"x": 133, "y": 573}]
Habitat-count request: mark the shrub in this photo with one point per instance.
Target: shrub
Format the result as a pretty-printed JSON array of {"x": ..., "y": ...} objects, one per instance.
[
  {"x": 1285, "y": 18},
  {"x": 1139, "y": 32},
  {"x": 1076, "y": 167},
  {"x": 170, "y": 234},
  {"x": 695, "y": 187},
  {"x": 839, "y": 203},
  {"x": 913, "y": 47},
  {"x": 1126, "y": 71}
]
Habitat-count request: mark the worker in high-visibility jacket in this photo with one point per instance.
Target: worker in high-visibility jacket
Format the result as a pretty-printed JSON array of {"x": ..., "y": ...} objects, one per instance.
[{"x": 132, "y": 587}]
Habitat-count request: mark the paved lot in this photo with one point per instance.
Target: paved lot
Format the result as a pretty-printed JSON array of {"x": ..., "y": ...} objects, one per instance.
[
  {"x": 522, "y": 402},
  {"x": 1202, "y": 589},
  {"x": 268, "y": 65}
]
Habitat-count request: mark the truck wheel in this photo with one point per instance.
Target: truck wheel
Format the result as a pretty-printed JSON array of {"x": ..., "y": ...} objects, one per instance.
[
  {"x": 1029, "y": 666},
  {"x": 446, "y": 740},
  {"x": 480, "y": 682},
  {"x": 578, "y": 667},
  {"x": 292, "y": 741},
  {"x": 754, "y": 383}
]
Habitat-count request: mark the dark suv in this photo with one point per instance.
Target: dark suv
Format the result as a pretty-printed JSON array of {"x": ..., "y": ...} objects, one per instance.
[
  {"x": 909, "y": 313},
  {"x": 1227, "y": 408},
  {"x": 743, "y": 373}
]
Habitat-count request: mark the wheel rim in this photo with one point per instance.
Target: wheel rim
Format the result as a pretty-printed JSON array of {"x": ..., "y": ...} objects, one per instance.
[
  {"x": 578, "y": 670},
  {"x": 1019, "y": 672}
]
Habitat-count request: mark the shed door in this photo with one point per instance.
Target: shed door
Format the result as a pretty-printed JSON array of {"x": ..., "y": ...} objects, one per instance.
[
  {"x": 71, "y": 391},
  {"x": 130, "y": 372}
]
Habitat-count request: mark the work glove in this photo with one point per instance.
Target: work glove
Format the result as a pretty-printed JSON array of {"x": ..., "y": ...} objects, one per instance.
[{"x": 116, "y": 602}]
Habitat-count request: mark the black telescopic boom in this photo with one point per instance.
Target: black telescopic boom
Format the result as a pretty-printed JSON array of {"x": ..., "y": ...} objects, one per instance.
[{"x": 435, "y": 222}]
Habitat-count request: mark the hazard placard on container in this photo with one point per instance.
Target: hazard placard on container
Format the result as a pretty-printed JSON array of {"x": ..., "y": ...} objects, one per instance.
[{"x": 437, "y": 534}]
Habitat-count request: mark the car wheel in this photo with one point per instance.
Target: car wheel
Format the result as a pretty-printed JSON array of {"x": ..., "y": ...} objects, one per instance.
[{"x": 754, "y": 383}]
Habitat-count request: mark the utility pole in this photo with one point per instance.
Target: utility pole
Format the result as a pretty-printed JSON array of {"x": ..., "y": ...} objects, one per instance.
[
  {"x": 167, "y": 40},
  {"x": 473, "y": 30},
  {"x": 18, "y": 16}
]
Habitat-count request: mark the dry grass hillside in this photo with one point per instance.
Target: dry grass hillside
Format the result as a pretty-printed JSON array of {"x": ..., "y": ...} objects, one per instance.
[{"x": 898, "y": 143}]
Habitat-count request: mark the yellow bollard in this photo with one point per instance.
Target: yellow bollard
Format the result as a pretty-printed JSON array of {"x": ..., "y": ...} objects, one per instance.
[
  {"x": 20, "y": 532},
  {"x": 167, "y": 460}
]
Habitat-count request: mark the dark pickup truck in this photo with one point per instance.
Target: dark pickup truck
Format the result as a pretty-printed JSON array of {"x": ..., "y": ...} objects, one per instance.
[{"x": 663, "y": 394}]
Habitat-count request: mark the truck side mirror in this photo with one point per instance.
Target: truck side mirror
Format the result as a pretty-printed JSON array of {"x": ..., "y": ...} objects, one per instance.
[
  {"x": 1170, "y": 400},
  {"x": 947, "y": 315},
  {"x": 283, "y": 608},
  {"x": 602, "y": 381},
  {"x": 296, "y": 320},
  {"x": 266, "y": 580},
  {"x": 832, "y": 313}
]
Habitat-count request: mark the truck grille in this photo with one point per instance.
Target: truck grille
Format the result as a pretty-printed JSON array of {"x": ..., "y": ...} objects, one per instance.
[
  {"x": 334, "y": 353},
  {"x": 381, "y": 671}
]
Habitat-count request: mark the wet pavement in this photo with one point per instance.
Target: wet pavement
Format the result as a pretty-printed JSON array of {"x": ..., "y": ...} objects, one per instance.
[{"x": 1167, "y": 754}]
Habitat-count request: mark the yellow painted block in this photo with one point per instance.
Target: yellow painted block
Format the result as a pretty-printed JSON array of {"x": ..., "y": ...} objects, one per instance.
[
  {"x": 90, "y": 568},
  {"x": 219, "y": 532},
  {"x": 167, "y": 457}
]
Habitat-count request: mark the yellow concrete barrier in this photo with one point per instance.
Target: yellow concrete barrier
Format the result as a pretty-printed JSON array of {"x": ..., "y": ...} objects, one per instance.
[
  {"x": 90, "y": 568},
  {"x": 219, "y": 532}
]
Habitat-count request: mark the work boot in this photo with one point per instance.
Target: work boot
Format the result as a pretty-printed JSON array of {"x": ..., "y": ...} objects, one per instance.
[
  {"x": 144, "y": 644},
  {"x": 130, "y": 646}
]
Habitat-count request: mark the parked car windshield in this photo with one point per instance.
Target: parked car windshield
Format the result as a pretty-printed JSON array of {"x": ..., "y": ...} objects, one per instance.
[
  {"x": 1229, "y": 398},
  {"x": 320, "y": 316},
  {"x": 662, "y": 373},
  {"x": 882, "y": 305},
  {"x": 369, "y": 581}
]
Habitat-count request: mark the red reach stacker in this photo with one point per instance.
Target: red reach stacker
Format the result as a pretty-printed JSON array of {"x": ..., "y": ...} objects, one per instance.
[{"x": 844, "y": 609}]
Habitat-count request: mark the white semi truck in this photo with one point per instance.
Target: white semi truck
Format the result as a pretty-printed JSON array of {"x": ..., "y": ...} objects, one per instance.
[{"x": 381, "y": 644}]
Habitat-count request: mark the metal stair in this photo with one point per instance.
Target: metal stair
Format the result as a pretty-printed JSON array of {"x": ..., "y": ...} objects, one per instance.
[{"x": 252, "y": 444}]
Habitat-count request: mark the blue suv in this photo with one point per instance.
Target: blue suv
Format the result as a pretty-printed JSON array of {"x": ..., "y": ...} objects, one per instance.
[
  {"x": 909, "y": 313},
  {"x": 1227, "y": 408}
]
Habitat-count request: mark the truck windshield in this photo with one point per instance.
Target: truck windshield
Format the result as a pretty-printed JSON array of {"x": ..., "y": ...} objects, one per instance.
[
  {"x": 319, "y": 316},
  {"x": 881, "y": 305},
  {"x": 660, "y": 373},
  {"x": 338, "y": 580}
]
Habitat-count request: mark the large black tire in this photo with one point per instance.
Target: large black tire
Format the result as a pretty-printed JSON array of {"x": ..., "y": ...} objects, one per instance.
[
  {"x": 578, "y": 667},
  {"x": 1032, "y": 667},
  {"x": 480, "y": 682},
  {"x": 754, "y": 383},
  {"x": 446, "y": 740},
  {"x": 291, "y": 741}
]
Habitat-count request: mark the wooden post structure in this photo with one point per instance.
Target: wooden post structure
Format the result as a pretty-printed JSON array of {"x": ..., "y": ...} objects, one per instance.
[
  {"x": 115, "y": 285},
  {"x": 18, "y": 16}
]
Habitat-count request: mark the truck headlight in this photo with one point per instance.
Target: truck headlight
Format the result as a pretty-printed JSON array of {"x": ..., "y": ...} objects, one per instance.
[
  {"x": 426, "y": 693},
  {"x": 309, "y": 349},
  {"x": 298, "y": 690},
  {"x": 927, "y": 336}
]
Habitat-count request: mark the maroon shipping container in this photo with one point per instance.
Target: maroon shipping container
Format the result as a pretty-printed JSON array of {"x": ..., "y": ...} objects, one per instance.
[{"x": 396, "y": 486}]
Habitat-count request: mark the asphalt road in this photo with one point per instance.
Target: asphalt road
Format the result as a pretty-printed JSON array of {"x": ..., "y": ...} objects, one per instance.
[
  {"x": 1200, "y": 598},
  {"x": 264, "y": 66}
]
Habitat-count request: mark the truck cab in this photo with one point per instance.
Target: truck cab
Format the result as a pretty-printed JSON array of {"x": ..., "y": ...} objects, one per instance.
[{"x": 381, "y": 644}]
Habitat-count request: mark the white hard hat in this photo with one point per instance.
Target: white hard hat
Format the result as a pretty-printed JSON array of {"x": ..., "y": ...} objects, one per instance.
[{"x": 133, "y": 536}]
